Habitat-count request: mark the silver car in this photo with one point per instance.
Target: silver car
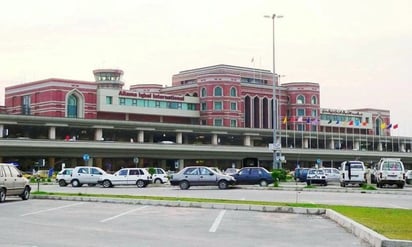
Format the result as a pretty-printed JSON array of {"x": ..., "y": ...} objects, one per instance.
[
  {"x": 200, "y": 176},
  {"x": 12, "y": 183}
]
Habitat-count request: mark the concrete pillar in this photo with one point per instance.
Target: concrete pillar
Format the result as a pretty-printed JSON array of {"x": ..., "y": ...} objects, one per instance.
[
  {"x": 140, "y": 136},
  {"x": 356, "y": 145},
  {"x": 1, "y": 130},
  {"x": 380, "y": 146},
  {"x": 402, "y": 147},
  {"x": 52, "y": 162},
  {"x": 52, "y": 133},
  {"x": 179, "y": 137},
  {"x": 332, "y": 144},
  {"x": 305, "y": 143},
  {"x": 181, "y": 164},
  {"x": 246, "y": 141},
  {"x": 98, "y": 135},
  {"x": 98, "y": 162},
  {"x": 214, "y": 139}
]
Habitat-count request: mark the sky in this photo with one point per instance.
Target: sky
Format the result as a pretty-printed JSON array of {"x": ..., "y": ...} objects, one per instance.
[{"x": 360, "y": 52}]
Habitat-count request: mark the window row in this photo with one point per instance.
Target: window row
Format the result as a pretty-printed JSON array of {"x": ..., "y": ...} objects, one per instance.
[
  {"x": 218, "y": 106},
  {"x": 218, "y": 91},
  {"x": 301, "y": 99},
  {"x": 152, "y": 103}
]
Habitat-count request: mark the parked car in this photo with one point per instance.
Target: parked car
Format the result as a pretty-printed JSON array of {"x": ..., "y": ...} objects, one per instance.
[
  {"x": 316, "y": 176},
  {"x": 159, "y": 176},
  {"x": 352, "y": 172},
  {"x": 86, "y": 175},
  {"x": 408, "y": 177},
  {"x": 126, "y": 176},
  {"x": 200, "y": 176},
  {"x": 12, "y": 183},
  {"x": 332, "y": 174},
  {"x": 390, "y": 171},
  {"x": 253, "y": 175},
  {"x": 63, "y": 177},
  {"x": 300, "y": 174}
]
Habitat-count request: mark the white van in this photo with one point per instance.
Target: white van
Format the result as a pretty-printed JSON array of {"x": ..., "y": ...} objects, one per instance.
[
  {"x": 352, "y": 172},
  {"x": 390, "y": 171}
]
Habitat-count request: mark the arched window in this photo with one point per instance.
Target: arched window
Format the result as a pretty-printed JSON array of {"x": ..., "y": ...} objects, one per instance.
[
  {"x": 314, "y": 100},
  {"x": 72, "y": 103},
  {"x": 233, "y": 92},
  {"x": 203, "y": 92},
  {"x": 300, "y": 99},
  {"x": 218, "y": 91}
]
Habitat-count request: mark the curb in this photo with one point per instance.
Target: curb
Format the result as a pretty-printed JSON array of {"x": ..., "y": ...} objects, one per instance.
[{"x": 373, "y": 238}]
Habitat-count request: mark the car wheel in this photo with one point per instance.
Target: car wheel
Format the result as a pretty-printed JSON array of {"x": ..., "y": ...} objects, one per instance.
[
  {"x": 2, "y": 195},
  {"x": 76, "y": 183},
  {"x": 62, "y": 183},
  {"x": 140, "y": 183},
  {"x": 184, "y": 185},
  {"x": 26, "y": 193},
  {"x": 107, "y": 184},
  {"x": 326, "y": 184},
  {"x": 222, "y": 184},
  {"x": 158, "y": 181},
  {"x": 263, "y": 183}
]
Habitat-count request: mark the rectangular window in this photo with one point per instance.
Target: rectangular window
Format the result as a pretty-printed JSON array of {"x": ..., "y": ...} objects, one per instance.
[
  {"x": 204, "y": 108},
  {"x": 218, "y": 122},
  {"x": 25, "y": 105},
  {"x": 233, "y": 123},
  {"x": 233, "y": 106},
  {"x": 109, "y": 100},
  {"x": 300, "y": 112},
  {"x": 218, "y": 106},
  {"x": 122, "y": 101},
  {"x": 314, "y": 113},
  {"x": 134, "y": 102},
  {"x": 157, "y": 104}
]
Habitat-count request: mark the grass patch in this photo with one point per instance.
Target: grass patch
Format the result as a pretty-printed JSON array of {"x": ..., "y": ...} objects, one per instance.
[
  {"x": 368, "y": 187},
  {"x": 392, "y": 223}
]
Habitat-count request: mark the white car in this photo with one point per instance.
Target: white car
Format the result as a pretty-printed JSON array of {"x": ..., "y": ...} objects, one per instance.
[
  {"x": 408, "y": 177},
  {"x": 159, "y": 176},
  {"x": 86, "y": 175},
  {"x": 332, "y": 174},
  {"x": 390, "y": 171},
  {"x": 352, "y": 172},
  {"x": 12, "y": 183},
  {"x": 63, "y": 177},
  {"x": 126, "y": 176}
]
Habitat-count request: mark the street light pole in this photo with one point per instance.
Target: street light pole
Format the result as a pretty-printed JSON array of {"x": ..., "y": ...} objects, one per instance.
[{"x": 276, "y": 139}]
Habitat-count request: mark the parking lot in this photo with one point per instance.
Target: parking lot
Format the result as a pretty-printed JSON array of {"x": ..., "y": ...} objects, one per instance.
[{"x": 68, "y": 223}]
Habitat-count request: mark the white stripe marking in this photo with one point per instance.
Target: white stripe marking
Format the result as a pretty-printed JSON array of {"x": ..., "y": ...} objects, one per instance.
[
  {"x": 52, "y": 209},
  {"x": 397, "y": 206},
  {"x": 119, "y": 215},
  {"x": 218, "y": 219}
]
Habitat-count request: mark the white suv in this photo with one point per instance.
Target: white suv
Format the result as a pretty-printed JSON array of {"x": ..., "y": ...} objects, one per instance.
[
  {"x": 12, "y": 183},
  {"x": 352, "y": 172},
  {"x": 390, "y": 171},
  {"x": 86, "y": 175}
]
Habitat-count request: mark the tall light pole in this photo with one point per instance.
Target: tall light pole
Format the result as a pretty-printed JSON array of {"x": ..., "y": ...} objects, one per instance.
[{"x": 276, "y": 140}]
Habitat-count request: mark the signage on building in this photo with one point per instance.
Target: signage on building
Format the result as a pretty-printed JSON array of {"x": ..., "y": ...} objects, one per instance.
[
  {"x": 151, "y": 95},
  {"x": 344, "y": 112}
]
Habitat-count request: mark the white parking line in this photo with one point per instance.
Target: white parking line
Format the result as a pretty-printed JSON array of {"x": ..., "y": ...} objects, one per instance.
[
  {"x": 52, "y": 209},
  {"x": 119, "y": 215},
  {"x": 396, "y": 206},
  {"x": 218, "y": 219}
]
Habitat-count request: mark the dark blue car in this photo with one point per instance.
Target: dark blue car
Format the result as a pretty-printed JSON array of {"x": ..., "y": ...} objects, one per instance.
[
  {"x": 301, "y": 174},
  {"x": 253, "y": 175}
]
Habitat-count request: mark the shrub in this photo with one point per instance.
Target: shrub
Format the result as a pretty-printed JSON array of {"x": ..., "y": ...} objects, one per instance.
[{"x": 151, "y": 170}]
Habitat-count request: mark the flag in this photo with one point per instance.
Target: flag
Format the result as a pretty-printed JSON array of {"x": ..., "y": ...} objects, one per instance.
[
  {"x": 293, "y": 119},
  {"x": 300, "y": 119},
  {"x": 308, "y": 120},
  {"x": 357, "y": 122},
  {"x": 337, "y": 121},
  {"x": 383, "y": 125},
  {"x": 350, "y": 122},
  {"x": 389, "y": 126},
  {"x": 364, "y": 123},
  {"x": 395, "y": 126},
  {"x": 315, "y": 121},
  {"x": 285, "y": 120},
  {"x": 330, "y": 121}
]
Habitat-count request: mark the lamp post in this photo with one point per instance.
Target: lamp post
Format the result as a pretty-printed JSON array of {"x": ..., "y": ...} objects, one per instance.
[{"x": 276, "y": 139}]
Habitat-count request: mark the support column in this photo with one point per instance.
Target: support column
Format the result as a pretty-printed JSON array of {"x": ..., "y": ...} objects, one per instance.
[
  {"x": 52, "y": 162},
  {"x": 246, "y": 141},
  {"x": 356, "y": 145},
  {"x": 214, "y": 139},
  {"x": 332, "y": 144},
  {"x": 179, "y": 137},
  {"x": 140, "y": 136},
  {"x": 402, "y": 147},
  {"x": 98, "y": 162},
  {"x": 305, "y": 143},
  {"x": 380, "y": 146},
  {"x": 98, "y": 135},
  {"x": 1, "y": 130},
  {"x": 52, "y": 133}
]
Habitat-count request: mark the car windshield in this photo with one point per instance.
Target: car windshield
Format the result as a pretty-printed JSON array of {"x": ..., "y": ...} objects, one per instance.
[{"x": 392, "y": 166}]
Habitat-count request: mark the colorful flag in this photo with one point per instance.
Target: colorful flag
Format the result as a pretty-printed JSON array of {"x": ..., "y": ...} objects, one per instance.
[
  {"x": 315, "y": 121},
  {"x": 308, "y": 120},
  {"x": 337, "y": 122},
  {"x": 383, "y": 125},
  {"x": 389, "y": 126},
  {"x": 330, "y": 121},
  {"x": 285, "y": 120},
  {"x": 293, "y": 119},
  {"x": 300, "y": 119},
  {"x": 395, "y": 126},
  {"x": 364, "y": 123},
  {"x": 350, "y": 122},
  {"x": 357, "y": 122}
]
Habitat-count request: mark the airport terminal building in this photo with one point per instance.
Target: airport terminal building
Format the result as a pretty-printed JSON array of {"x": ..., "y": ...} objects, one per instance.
[{"x": 204, "y": 105}]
